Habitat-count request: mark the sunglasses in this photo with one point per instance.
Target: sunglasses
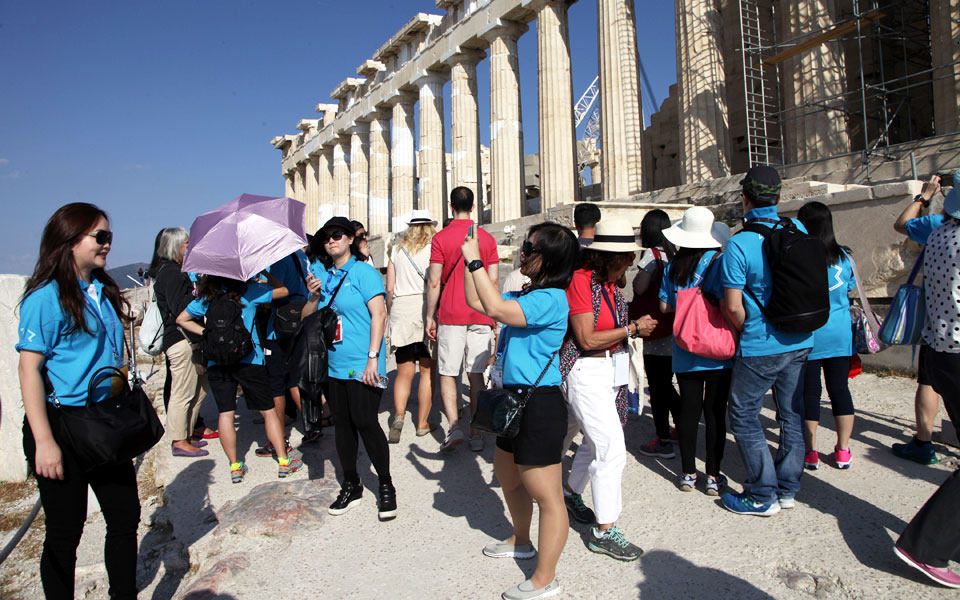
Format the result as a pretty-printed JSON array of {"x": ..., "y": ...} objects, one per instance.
[
  {"x": 362, "y": 236},
  {"x": 102, "y": 236},
  {"x": 528, "y": 249},
  {"x": 335, "y": 236}
]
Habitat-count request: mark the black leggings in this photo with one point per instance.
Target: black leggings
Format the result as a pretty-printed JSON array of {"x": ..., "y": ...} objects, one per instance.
[
  {"x": 664, "y": 400},
  {"x": 355, "y": 407},
  {"x": 65, "y": 511},
  {"x": 836, "y": 373},
  {"x": 703, "y": 392}
]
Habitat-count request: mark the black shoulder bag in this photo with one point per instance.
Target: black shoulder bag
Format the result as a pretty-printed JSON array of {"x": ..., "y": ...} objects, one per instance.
[{"x": 500, "y": 411}]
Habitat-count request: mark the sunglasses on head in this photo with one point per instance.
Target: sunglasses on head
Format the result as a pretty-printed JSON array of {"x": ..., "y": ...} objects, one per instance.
[
  {"x": 528, "y": 249},
  {"x": 335, "y": 236},
  {"x": 102, "y": 236}
]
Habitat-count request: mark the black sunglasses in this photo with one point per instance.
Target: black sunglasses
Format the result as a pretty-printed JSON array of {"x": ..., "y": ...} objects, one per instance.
[
  {"x": 528, "y": 249},
  {"x": 102, "y": 236},
  {"x": 335, "y": 236}
]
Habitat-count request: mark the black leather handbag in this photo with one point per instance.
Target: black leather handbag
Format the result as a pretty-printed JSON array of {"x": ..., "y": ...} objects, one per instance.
[
  {"x": 113, "y": 430},
  {"x": 500, "y": 411}
]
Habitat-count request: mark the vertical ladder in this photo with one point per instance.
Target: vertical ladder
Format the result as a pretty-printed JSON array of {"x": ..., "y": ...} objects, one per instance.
[{"x": 764, "y": 139}]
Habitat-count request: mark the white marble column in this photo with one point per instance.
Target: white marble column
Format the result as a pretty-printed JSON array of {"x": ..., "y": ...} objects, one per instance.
[
  {"x": 403, "y": 161},
  {"x": 341, "y": 177},
  {"x": 288, "y": 191},
  {"x": 299, "y": 183},
  {"x": 325, "y": 186},
  {"x": 558, "y": 170},
  {"x": 465, "y": 126},
  {"x": 620, "y": 119},
  {"x": 702, "y": 110},
  {"x": 359, "y": 171},
  {"x": 945, "y": 54},
  {"x": 433, "y": 184},
  {"x": 312, "y": 199},
  {"x": 507, "y": 191},
  {"x": 379, "y": 209}
]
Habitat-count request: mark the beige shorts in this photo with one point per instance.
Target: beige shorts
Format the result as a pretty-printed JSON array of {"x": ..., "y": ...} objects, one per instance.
[{"x": 459, "y": 345}]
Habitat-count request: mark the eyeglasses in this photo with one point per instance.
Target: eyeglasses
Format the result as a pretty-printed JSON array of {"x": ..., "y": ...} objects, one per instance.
[
  {"x": 335, "y": 236},
  {"x": 102, "y": 236},
  {"x": 528, "y": 249}
]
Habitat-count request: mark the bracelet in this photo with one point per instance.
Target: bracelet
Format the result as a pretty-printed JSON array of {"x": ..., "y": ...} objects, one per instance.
[{"x": 627, "y": 329}]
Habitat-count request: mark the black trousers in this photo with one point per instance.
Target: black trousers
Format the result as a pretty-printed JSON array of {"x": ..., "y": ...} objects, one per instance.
[
  {"x": 703, "y": 392},
  {"x": 355, "y": 407},
  {"x": 933, "y": 535},
  {"x": 664, "y": 400},
  {"x": 65, "y": 511}
]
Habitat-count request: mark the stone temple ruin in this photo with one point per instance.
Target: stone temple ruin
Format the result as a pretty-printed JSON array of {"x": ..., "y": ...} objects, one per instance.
[{"x": 853, "y": 100}]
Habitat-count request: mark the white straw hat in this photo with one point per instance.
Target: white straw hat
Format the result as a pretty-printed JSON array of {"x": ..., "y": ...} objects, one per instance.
[
  {"x": 614, "y": 235},
  {"x": 421, "y": 217},
  {"x": 697, "y": 229}
]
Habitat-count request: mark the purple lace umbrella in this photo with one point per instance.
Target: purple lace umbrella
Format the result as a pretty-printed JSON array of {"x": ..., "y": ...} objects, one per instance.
[{"x": 245, "y": 236}]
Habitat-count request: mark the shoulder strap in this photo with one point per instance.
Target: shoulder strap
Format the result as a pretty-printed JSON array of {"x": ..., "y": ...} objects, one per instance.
[
  {"x": 916, "y": 267},
  {"x": 410, "y": 258},
  {"x": 529, "y": 393},
  {"x": 455, "y": 264},
  {"x": 864, "y": 301},
  {"x": 337, "y": 291}
]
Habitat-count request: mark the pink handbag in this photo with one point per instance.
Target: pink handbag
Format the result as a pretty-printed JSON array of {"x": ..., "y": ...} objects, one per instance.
[{"x": 700, "y": 327}]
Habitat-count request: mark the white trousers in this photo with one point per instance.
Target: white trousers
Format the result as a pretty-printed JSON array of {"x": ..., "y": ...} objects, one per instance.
[{"x": 591, "y": 398}]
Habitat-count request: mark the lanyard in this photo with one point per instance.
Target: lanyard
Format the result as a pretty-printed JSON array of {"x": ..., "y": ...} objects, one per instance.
[
  {"x": 613, "y": 311},
  {"x": 108, "y": 331}
]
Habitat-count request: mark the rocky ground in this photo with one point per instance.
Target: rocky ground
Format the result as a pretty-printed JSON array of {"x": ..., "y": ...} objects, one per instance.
[{"x": 202, "y": 537}]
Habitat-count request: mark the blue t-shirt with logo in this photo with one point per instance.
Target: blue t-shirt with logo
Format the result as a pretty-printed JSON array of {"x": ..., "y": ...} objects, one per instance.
[
  {"x": 362, "y": 284},
  {"x": 72, "y": 359},
  {"x": 255, "y": 295},
  {"x": 527, "y": 349},
  {"x": 286, "y": 271},
  {"x": 919, "y": 229},
  {"x": 683, "y": 361},
  {"x": 835, "y": 338},
  {"x": 744, "y": 265}
]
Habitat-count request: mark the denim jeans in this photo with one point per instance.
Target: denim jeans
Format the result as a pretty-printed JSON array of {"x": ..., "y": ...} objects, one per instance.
[{"x": 766, "y": 478}]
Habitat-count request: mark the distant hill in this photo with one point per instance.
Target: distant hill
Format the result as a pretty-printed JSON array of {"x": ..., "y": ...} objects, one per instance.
[{"x": 119, "y": 274}]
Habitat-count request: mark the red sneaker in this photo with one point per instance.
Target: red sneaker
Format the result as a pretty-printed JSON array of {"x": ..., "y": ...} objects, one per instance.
[{"x": 942, "y": 576}]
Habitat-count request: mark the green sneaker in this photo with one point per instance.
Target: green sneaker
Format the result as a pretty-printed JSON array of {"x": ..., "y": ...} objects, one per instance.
[
  {"x": 613, "y": 544},
  {"x": 917, "y": 452},
  {"x": 578, "y": 510}
]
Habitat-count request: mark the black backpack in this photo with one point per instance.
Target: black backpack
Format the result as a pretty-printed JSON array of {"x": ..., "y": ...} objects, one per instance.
[
  {"x": 800, "y": 299},
  {"x": 225, "y": 340}
]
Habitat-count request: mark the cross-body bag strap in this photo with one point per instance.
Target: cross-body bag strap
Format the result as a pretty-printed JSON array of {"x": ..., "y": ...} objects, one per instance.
[
  {"x": 337, "y": 290},
  {"x": 296, "y": 262},
  {"x": 864, "y": 301},
  {"x": 419, "y": 272},
  {"x": 455, "y": 264},
  {"x": 529, "y": 393}
]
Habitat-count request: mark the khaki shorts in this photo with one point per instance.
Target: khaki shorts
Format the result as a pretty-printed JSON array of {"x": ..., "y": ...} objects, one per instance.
[{"x": 459, "y": 343}]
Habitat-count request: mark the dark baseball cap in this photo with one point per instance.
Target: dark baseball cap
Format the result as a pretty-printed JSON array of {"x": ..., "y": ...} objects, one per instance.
[{"x": 762, "y": 182}]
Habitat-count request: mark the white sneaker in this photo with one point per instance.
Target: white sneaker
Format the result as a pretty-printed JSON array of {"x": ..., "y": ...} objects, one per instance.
[{"x": 454, "y": 437}]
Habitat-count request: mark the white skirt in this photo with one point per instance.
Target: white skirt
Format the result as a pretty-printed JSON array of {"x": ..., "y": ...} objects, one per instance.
[{"x": 406, "y": 322}]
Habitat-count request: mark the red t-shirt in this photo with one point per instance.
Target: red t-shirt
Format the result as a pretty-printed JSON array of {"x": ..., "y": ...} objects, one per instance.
[
  {"x": 580, "y": 299},
  {"x": 445, "y": 250}
]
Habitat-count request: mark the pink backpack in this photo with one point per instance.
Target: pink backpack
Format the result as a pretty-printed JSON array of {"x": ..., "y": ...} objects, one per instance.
[{"x": 699, "y": 327}]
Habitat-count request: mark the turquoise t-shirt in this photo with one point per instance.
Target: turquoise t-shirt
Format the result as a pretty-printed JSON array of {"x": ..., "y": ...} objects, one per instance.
[
  {"x": 255, "y": 295},
  {"x": 835, "y": 338},
  {"x": 362, "y": 284},
  {"x": 744, "y": 265},
  {"x": 71, "y": 360},
  {"x": 683, "y": 361},
  {"x": 527, "y": 349},
  {"x": 286, "y": 271},
  {"x": 919, "y": 229}
]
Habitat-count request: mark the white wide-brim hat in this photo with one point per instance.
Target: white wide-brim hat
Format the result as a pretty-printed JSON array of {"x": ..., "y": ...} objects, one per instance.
[
  {"x": 421, "y": 217},
  {"x": 697, "y": 229},
  {"x": 614, "y": 235}
]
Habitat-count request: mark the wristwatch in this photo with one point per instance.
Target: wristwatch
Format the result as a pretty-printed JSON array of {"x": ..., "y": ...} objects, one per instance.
[
  {"x": 919, "y": 198},
  {"x": 373, "y": 354},
  {"x": 474, "y": 265}
]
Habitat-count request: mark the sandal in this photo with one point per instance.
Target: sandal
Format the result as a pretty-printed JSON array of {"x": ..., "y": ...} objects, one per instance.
[
  {"x": 395, "y": 430},
  {"x": 422, "y": 431}
]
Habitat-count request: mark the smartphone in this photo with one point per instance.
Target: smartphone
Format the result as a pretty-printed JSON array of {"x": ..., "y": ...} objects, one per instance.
[
  {"x": 470, "y": 231},
  {"x": 946, "y": 179}
]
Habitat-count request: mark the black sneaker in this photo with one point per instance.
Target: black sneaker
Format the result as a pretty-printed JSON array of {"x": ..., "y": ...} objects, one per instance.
[
  {"x": 388, "y": 502},
  {"x": 349, "y": 497},
  {"x": 613, "y": 544},
  {"x": 269, "y": 450},
  {"x": 578, "y": 510}
]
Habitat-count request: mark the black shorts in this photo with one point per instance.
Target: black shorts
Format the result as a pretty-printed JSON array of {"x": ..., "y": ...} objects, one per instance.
[
  {"x": 251, "y": 378},
  {"x": 542, "y": 429},
  {"x": 412, "y": 352},
  {"x": 276, "y": 354},
  {"x": 923, "y": 360}
]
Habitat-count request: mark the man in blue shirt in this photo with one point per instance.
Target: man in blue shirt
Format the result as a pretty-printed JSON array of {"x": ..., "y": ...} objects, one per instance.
[{"x": 766, "y": 358}]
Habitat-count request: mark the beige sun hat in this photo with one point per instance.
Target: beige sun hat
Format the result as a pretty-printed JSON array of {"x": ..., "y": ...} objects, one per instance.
[
  {"x": 697, "y": 229},
  {"x": 614, "y": 235}
]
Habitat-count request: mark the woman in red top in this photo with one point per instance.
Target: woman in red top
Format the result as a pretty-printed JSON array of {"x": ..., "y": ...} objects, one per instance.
[{"x": 596, "y": 364}]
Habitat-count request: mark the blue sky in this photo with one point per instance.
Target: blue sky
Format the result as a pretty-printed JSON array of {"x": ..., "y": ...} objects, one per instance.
[{"x": 160, "y": 111}]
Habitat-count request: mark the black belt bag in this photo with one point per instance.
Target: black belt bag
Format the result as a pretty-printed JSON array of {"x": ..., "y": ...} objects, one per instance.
[
  {"x": 286, "y": 318},
  {"x": 500, "y": 411},
  {"x": 113, "y": 430}
]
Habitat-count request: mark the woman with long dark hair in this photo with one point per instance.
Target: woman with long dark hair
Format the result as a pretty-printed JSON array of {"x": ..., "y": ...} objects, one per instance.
[
  {"x": 832, "y": 345},
  {"x": 528, "y": 465},
  {"x": 71, "y": 325},
  {"x": 704, "y": 382}
]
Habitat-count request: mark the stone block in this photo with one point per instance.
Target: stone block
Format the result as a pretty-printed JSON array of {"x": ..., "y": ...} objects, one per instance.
[
  {"x": 13, "y": 467},
  {"x": 902, "y": 188},
  {"x": 220, "y": 580},
  {"x": 277, "y": 510}
]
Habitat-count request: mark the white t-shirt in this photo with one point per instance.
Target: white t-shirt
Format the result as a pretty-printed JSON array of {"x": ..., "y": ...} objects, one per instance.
[
  {"x": 409, "y": 282},
  {"x": 941, "y": 282}
]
